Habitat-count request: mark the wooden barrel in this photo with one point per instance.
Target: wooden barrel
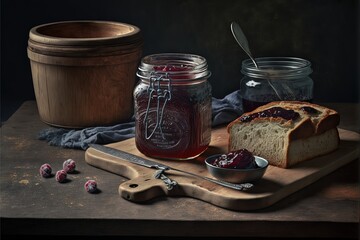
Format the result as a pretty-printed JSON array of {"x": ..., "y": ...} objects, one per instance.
[{"x": 84, "y": 71}]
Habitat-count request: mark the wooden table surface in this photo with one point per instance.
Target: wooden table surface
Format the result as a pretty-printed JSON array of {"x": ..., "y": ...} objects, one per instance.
[{"x": 32, "y": 205}]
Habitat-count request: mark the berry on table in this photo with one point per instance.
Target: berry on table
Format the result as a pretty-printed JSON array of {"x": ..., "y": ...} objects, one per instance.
[
  {"x": 90, "y": 186},
  {"x": 45, "y": 170},
  {"x": 69, "y": 166},
  {"x": 60, "y": 176}
]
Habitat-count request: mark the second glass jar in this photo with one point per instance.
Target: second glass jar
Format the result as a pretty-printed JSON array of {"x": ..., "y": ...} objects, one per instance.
[
  {"x": 276, "y": 79},
  {"x": 172, "y": 103}
]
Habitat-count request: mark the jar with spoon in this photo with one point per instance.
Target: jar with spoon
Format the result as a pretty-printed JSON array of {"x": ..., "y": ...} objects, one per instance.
[
  {"x": 289, "y": 77},
  {"x": 270, "y": 79}
]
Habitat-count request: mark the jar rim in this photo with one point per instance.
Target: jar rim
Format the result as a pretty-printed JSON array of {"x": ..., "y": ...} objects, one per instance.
[
  {"x": 277, "y": 67},
  {"x": 189, "y": 66}
]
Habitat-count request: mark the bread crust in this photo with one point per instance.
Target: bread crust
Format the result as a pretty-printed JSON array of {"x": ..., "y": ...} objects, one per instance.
[{"x": 290, "y": 162}]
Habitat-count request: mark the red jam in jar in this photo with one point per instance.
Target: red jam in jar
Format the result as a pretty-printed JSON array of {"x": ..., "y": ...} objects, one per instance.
[{"x": 172, "y": 103}]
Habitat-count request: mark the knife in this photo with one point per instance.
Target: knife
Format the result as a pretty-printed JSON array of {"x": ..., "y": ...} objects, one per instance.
[{"x": 159, "y": 166}]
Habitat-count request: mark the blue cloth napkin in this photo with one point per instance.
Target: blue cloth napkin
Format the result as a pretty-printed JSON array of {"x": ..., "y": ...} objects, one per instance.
[
  {"x": 227, "y": 109},
  {"x": 223, "y": 111}
]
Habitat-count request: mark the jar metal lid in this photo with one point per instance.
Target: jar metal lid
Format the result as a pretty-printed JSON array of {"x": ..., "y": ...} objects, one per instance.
[
  {"x": 277, "y": 68},
  {"x": 187, "y": 66}
]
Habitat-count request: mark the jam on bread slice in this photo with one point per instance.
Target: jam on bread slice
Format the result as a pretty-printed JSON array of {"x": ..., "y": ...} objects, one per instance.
[{"x": 286, "y": 132}]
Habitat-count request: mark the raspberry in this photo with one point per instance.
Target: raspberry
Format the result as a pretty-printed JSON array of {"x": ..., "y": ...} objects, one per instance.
[
  {"x": 61, "y": 176},
  {"x": 69, "y": 166},
  {"x": 45, "y": 170},
  {"x": 90, "y": 186}
]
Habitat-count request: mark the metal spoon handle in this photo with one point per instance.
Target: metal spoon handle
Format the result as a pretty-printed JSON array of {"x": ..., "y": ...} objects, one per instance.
[
  {"x": 242, "y": 40},
  {"x": 241, "y": 186}
]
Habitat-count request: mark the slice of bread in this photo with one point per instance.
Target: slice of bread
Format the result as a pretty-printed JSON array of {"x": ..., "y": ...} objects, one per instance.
[{"x": 286, "y": 132}]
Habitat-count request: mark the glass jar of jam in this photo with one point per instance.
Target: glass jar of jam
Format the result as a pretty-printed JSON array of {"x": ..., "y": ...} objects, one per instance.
[
  {"x": 172, "y": 104},
  {"x": 275, "y": 79}
]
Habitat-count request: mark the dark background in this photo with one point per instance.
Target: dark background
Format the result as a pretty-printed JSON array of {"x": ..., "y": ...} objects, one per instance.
[{"x": 326, "y": 32}]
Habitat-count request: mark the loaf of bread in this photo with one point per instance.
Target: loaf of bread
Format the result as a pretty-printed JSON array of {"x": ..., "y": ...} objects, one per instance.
[{"x": 286, "y": 132}]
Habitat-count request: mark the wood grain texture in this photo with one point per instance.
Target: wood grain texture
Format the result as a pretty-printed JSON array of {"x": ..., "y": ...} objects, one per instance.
[
  {"x": 276, "y": 184},
  {"x": 84, "y": 71}
]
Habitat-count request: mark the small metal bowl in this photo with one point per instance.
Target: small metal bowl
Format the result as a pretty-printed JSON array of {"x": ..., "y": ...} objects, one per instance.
[{"x": 237, "y": 175}]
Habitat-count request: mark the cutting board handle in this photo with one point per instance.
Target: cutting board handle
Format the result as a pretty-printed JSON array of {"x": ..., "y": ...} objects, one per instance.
[{"x": 143, "y": 188}]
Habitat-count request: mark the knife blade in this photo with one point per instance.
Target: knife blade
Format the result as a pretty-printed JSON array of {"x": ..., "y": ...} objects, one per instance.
[
  {"x": 129, "y": 157},
  {"x": 152, "y": 164}
]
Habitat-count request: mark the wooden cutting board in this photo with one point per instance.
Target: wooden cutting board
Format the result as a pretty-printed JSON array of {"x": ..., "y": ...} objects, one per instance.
[{"x": 276, "y": 184}]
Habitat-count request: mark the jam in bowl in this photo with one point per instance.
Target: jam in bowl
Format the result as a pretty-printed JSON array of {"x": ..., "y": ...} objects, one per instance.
[{"x": 237, "y": 166}]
